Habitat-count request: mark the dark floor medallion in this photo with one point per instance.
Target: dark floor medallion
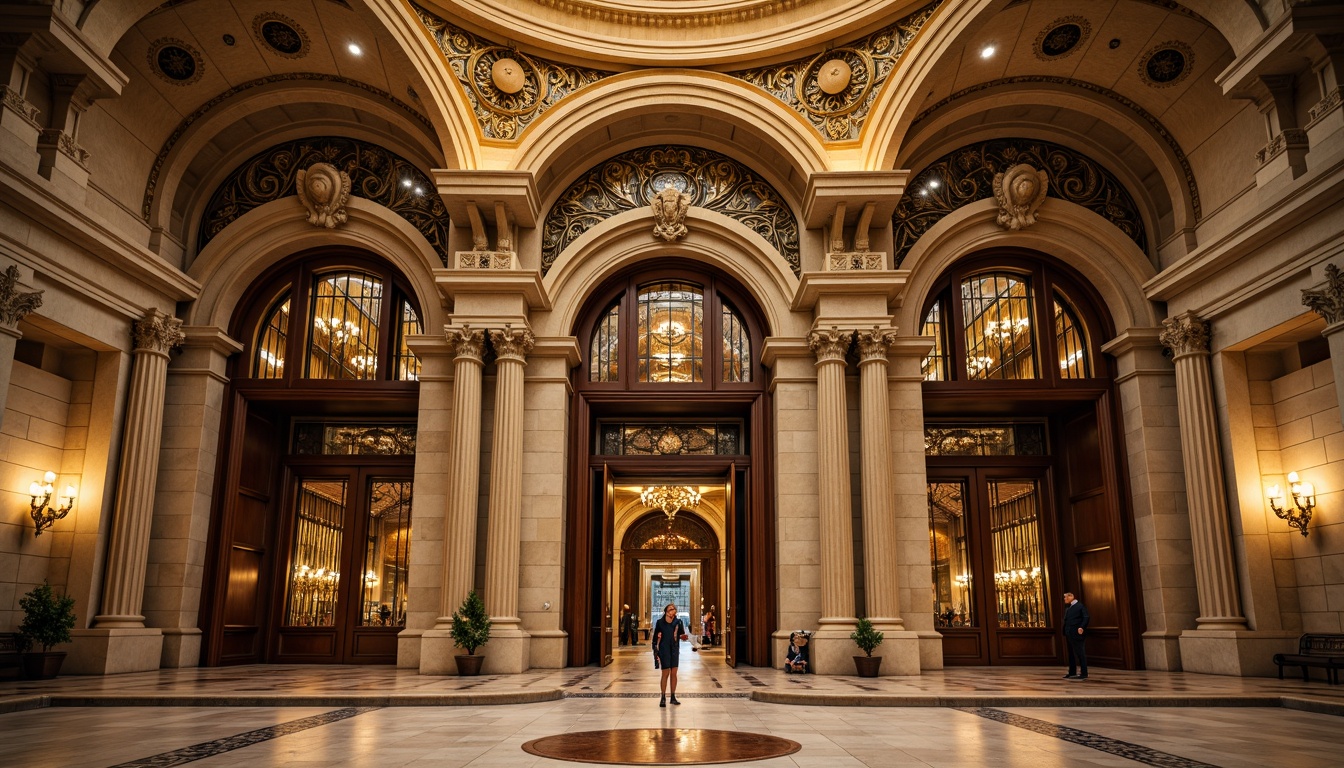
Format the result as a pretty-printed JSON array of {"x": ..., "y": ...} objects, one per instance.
[{"x": 661, "y": 746}]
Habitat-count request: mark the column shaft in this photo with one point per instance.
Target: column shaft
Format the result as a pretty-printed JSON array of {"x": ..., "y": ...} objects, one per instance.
[
  {"x": 881, "y": 579},
  {"x": 833, "y": 489},
  {"x": 1210, "y": 532},
  {"x": 459, "y": 529},
  {"x": 503, "y": 533},
  {"x": 137, "y": 476}
]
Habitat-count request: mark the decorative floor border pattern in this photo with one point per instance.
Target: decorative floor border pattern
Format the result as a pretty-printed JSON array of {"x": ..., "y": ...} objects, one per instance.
[
  {"x": 686, "y": 695},
  {"x": 238, "y": 741},
  {"x": 1135, "y": 752}
]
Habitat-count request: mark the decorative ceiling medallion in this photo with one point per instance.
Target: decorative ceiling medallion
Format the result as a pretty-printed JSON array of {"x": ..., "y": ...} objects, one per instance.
[
  {"x": 281, "y": 34},
  {"x": 628, "y": 181},
  {"x": 507, "y": 88},
  {"x": 1062, "y": 37},
  {"x": 175, "y": 61},
  {"x": 805, "y": 85},
  {"x": 1167, "y": 64}
]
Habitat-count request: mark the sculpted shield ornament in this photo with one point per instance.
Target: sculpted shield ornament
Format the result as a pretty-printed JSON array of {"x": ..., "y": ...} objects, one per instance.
[
  {"x": 1019, "y": 192},
  {"x": 324, "y": 190},
  {"x": 669, "y": 213}
]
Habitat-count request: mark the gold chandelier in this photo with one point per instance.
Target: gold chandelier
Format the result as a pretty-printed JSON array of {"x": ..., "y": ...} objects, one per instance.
[{"x": 671, "y": 499}]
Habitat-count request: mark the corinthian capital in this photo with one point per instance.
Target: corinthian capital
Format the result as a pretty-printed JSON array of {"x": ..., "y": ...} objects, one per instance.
[
  {"x": 873, "y": 344},
  {"x": 1328, "y": 302},
  {"x": 512, "y": 343},
  {"x": 157, "y": 332},
  {"x": 1185, "y": 335},
  {"x": 15, "y": 304},
  {"x": 830, "y": 345},
  {"x": 467, "y": 341}
]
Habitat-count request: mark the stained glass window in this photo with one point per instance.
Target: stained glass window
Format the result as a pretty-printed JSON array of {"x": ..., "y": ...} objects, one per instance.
[
  {"x": 312, "y": 438},
  {"x": 670, "y": 345},
  {"x": 663, "y": 439},
  {"x": 1070, "y": 341},
  {"x": 1007, "y": 439},
  {"x": 997, "y": 318},
  {"x": 269, "y": 362},
  {"x": 314, "y": 573},
  {"x": 602, "y": 364},
  {"x": 344, "y": 335},
  {"x": 935, "y": 365},
  {"x": 736, "y": 347},
  {"x": 408, "y": 366}
]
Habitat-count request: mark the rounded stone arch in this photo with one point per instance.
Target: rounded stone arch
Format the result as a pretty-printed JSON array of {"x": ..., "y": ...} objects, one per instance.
[
  {"x": 1111, "y": 263},
  {"x": 567, "y": 140},
  {"x": 264, "y": 236},
  {"x": 636, "y": 515},
  {"x": 715, "y": 239}
]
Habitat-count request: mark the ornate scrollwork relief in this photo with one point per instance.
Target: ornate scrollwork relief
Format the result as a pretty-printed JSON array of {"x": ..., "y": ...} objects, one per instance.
[
  {"x": 324, "y": 190},
  {"x": 507, "y": 88},
  {"x": 1328, "y": 302},
  {"x": 1019, "y": 191},
  {"x": 15, "y": 304},
  {"x": 15, "y": 101},
  {"x": 375, "y": 174},
  {"x": 715, "y": 182},
  {"x": 833, "y": 100},
  {"x": 1185, "y": 335},
  {"x": 157, "y": 332},
  {"x": 669, "y": 206},
  {"x": 967, "y": 175}
]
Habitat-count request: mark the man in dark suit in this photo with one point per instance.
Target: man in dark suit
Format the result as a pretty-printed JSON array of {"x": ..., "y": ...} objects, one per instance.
[
  {"x": 627, "y": 626},
  {"x": 1075, "y": 632}
]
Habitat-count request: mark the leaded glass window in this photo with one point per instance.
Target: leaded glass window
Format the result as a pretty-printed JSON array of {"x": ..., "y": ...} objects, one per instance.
[
  {"x": 670, "y": 346},
  {"x": 952, "y": 571},
  {"x": 664, "y": 439},
  {"x": 269, "y": 361},
  {"x": 387, "y": 555},
  {"x": 1009, "y": 439},
  {"x": 602, "y": 352},
  {"x": 997, "y": 322},
  {"x": 314, "y": 576},
  {"x": 736, "y": 347},
  {"x": 935, "y": 365},
  {"x": 1015, "y": 529},
  {"x": 344, "y": 335},
  {"x": 312, "y": 438},
  {"x": 1070, "y": 341},
  {"x": 408, "y": 366}
]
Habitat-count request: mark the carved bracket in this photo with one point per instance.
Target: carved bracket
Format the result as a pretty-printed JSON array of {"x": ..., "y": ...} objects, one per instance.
[{"x": 1328, "y": 302}]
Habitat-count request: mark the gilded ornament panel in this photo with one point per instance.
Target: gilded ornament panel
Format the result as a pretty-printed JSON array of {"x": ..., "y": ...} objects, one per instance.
[
  {"x": 835, "y": 89},
  {"x": 375, "y": 174},
  {"x": 679, "y": 533},
  {"x": 628, "y": 181},
  {"x": 967, "y": 174},
  {"x": 504, "y": 104}
]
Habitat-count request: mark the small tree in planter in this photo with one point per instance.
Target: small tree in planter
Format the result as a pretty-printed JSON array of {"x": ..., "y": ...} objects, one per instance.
[
  {"x": 471, "y": 630},
  {"x": 47, "y": 621},
  {"x": 867, "y": 638}
]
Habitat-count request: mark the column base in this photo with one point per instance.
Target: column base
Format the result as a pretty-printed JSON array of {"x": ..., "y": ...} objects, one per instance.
[
  {"x": 930, "y": 649},
  {"x": 408, "y": 648},
  {"x": 181, "y": 648},
  {"x": 436, "y": 653},
  {"x": 1241, "y": 653},
  {"x": 550, "y": 648},
  {"x": 1162, "y": 650},
  {"x": 113, "y": 651},
  {"x": 508, "y": 652},
  {"x": 899, "y": 651},
  {"x": 832, "y": 651}
]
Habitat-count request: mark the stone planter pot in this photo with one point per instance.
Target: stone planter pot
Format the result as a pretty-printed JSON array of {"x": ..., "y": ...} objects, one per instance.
[
  {"x": 868, "y": 666},
  {"x": 42, "y": 666},
  {"x": 469, "y": 666}
]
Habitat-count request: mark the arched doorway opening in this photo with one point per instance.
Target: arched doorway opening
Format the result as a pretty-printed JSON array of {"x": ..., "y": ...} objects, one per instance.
[
  {"x": 1023, "y": 460},
  {"x": 310, "y": 537},
  {"x": 671, "y": 392},
  {"x": 672, "y": 557}
]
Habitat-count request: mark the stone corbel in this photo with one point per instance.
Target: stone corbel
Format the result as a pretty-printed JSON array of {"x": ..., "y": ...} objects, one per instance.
[
  {"x": 837, "y": 201},
  {"x": 57, "y": 145},
  {"x": 1288, "y": 144},
  {"x": 481, "y": 255},
  {"x": 505, "y": 201},
  {"x": 16, "y": 114}
]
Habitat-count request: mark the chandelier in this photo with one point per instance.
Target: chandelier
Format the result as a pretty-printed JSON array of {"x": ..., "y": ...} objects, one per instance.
[{"x": 671, "y": 499}]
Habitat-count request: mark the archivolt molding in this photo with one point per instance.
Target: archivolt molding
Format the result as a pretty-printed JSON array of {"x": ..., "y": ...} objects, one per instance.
[
  {"x": 278, "y": 229},
  {"x": 1109, "y": 261},
  {"x": 714, "y": 239}
]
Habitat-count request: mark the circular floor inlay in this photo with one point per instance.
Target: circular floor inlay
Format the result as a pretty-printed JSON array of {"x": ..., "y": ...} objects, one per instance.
[{"x": 661, "y": 746}]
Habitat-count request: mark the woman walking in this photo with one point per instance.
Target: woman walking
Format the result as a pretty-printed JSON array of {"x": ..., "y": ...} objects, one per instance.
[{"x": 668, "y": 632}]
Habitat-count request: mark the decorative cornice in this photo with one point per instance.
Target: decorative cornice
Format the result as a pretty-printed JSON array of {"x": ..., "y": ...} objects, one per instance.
[
  {"x": 830, "y": 345},
  {"x": 1153, "y": 122},
  {"x": 746, "y": 10},
  {"x": 503, "y": 114},
  {"x": 466, "y": 341},
  {"x": 512, "y": 343},
  {"x": 157, "y": 332},
  {"x": 839, "y": 115},
  {"x": 1328, "y": 302},
  {"x": 1185, "y": 335},
  {"x": 873, "y": 344},
  {"x": 151, "y": 186},
  {"x": 1289, "y": 138},
  {"x": 15, "y": 304}
]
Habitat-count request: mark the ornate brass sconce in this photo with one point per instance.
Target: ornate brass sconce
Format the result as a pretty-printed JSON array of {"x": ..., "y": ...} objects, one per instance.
[
  {"x": 1304, "y": 500},
  {"x": 44, "y": 514}
]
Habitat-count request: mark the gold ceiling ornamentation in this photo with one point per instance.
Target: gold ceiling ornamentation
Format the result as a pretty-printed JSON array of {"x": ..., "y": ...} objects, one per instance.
[
  {"x": 676, "y": 17},
  {"x": 508, "y": 97},
  {"x": 806, "y": 85}
]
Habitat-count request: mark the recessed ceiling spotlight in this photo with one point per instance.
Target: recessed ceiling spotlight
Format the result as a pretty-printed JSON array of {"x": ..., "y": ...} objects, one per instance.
[
  {"x": 354, "y": 49},
  {"x": 987, "y": 51}
]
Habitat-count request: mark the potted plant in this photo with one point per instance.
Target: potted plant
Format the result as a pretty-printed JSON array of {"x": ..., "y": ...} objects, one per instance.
[
  {"x": 471, "y": 630},
  {"x": 867, "y": 639},
  {"x": 47, "y": 621}
]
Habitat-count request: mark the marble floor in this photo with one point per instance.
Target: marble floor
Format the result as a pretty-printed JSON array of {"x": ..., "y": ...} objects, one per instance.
[{"x": 260, "y": 716}]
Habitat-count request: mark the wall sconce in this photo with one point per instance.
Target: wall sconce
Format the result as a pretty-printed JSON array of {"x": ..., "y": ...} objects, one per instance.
[
  {"x": 43, "y": 514},
  {"x": 1304, "y": 500}
]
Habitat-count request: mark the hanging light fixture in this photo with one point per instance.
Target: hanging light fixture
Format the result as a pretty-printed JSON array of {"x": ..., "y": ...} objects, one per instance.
[{"x": 671, "y": 499}]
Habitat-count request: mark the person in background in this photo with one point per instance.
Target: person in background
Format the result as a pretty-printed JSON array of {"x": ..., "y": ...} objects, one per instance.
[
  {"x": 668, "y": 632},
  {"x": 627, "y": 625},
  {"x": 796, "y": 658},
  {"x": 1075, "y": 633},
  {"x": 707, "y": 627}
]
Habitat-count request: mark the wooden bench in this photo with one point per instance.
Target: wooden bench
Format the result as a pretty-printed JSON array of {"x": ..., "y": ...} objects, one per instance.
[
  {"x": 1315, "y": 650},
  {"x": 9, "y": 655}
]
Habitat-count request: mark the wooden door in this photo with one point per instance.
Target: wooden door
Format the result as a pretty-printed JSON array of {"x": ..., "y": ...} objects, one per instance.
[
  {"x": 312, "y": 606},
  {"x": 378, "y": 588}
]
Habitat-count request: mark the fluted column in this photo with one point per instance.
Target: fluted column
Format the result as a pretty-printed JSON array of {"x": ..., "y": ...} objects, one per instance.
[
  {"x": 127, "y": 555},
  {"x": 464, "y": 468},
  {"x": 511, "y": 346},
  {"x": 1215, "y": 568},
  {"x": 881, "y": 579},
  {"x": 833, "y": 489},
  {"x": 14, "y": 306}
]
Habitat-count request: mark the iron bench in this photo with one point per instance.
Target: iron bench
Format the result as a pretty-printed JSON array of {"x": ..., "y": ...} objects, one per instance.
[{"x": 1315, "y": 650}]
